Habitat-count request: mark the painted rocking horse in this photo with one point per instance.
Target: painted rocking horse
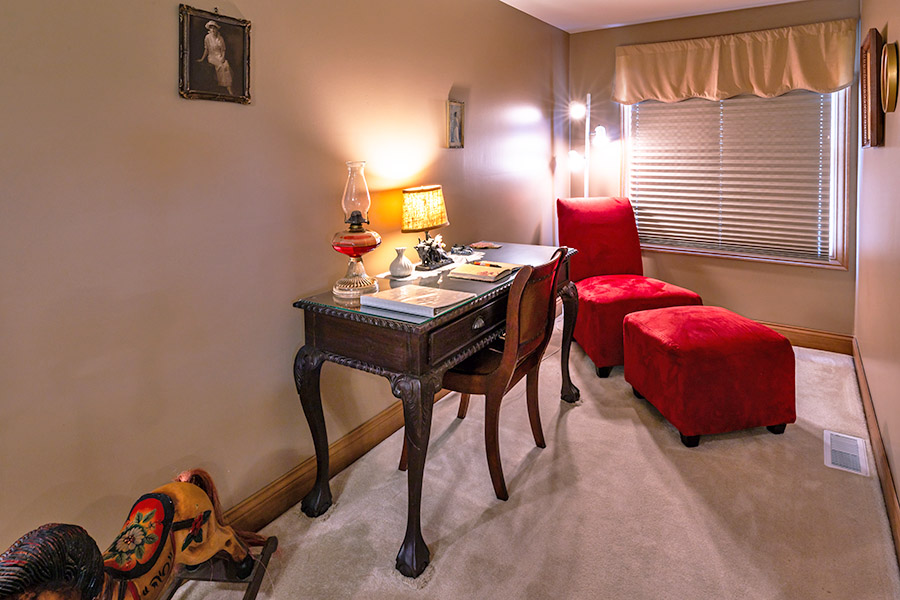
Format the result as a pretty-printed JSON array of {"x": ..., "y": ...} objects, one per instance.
[{"x": 168, "y": 533}]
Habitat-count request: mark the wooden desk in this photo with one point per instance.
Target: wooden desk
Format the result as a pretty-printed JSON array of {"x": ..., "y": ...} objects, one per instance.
[{"x": 412, "y": 353}]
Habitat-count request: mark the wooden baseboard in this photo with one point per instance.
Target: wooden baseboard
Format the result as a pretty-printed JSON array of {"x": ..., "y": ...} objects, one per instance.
[
  {"x": 814, "y": 338},
  {"x": 275, "y": 499},
  {"x": 891, "y": 502}
]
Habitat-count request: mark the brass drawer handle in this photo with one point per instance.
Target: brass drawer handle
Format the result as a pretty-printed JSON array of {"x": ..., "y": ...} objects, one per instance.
[{"x": 478, "y": 324}]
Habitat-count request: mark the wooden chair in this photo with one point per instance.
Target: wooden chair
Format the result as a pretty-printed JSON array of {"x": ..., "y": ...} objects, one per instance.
[
  {"x": 530, "y": 315},
  {"x": 609, "y": 275}
]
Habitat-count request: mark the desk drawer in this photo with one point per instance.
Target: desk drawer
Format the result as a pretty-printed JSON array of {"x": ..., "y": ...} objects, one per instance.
[{"x": 453, "y": 337}]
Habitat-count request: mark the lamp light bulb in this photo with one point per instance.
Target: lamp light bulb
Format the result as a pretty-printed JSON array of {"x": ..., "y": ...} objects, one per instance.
[{"x": 577, "y": 111}]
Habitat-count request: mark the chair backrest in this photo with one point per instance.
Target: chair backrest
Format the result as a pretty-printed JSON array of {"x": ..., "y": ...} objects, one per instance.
[
  {"x": 531, "y": 311},
  {"x": 604, "y": 232}
]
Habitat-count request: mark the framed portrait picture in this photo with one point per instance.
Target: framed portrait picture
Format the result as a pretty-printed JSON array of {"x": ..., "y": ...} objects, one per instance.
[
  {"x": 456, "y": 114},
  {"x": 870, "y": 90},
  {"x": 214, "y": 56}
]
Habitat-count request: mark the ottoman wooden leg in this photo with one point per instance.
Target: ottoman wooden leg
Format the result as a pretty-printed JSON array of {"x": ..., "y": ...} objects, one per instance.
[
  {"x": 776, "y": 429},
  {"x": 637, "y": 394},
  {"x": 603, "y": 372},
  {"x": 691, "y": 441}
]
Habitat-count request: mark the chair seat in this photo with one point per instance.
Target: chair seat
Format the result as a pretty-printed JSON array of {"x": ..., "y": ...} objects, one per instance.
[{"x": 604, "y": 300}]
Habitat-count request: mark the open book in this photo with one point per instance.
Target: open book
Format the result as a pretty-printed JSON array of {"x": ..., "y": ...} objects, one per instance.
[
  {"x": 483, "y": 270},
  {"x": 415, "y": 299}
]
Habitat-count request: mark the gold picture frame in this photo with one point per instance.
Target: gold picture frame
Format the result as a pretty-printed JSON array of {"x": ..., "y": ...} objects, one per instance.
[
  {"x": 870, "y": 90},
  {"x": 456, "y": 116},
  {"x": 889, "y": 77}
]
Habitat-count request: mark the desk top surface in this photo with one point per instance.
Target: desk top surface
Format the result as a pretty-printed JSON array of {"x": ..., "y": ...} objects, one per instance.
[{"x": 524, "y": 254}]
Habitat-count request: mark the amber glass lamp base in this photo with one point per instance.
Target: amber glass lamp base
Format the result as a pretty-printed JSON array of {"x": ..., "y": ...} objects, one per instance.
[{"x": 354, "y": 242}]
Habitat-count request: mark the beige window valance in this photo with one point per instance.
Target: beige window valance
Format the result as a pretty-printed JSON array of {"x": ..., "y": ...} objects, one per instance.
[{"x": 817, "y": 57}]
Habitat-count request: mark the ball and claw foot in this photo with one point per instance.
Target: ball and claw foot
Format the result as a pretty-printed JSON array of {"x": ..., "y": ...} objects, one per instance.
[
  {"x": 316, "y": 502},
  {"x": 572, "y": 395},
  {"x": 413, "y": 557}
]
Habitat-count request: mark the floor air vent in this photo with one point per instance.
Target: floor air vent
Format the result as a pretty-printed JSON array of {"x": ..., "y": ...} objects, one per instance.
[{"x": 846, "y": 453}]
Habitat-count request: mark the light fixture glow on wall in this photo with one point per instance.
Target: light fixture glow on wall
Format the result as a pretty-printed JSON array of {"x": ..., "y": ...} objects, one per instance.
[
  {"x": 576, "y": 160},
  {"x": 578, "y": 111}
]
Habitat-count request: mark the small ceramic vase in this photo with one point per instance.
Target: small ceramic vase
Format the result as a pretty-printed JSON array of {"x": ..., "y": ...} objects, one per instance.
[{"x": 402, "y": 266}]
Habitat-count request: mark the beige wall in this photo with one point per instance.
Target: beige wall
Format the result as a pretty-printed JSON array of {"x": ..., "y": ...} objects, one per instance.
[
  {"x": 802, "y": 296},
  {"x": 151, "y": 246},
  {"x": 877, "y": 318}
]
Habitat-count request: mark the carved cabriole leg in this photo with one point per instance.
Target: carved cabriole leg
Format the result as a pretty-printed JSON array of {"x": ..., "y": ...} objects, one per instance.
[
  {"x": 569, "y": 295},
  {"x": 417, "y": 395},
  {"x": 404, "y": 456},
  {"x": 307, "y": 369},
  {"x": 461, "y": 414}
]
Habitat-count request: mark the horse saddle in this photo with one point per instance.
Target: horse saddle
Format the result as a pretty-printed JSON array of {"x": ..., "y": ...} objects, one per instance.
[{"x": 145, "y": 534}]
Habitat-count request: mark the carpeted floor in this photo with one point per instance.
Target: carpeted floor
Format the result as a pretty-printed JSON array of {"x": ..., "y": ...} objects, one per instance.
[{"x": 614, "y": 507}]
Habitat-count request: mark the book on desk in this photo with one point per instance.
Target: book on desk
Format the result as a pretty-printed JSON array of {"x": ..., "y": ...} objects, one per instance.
[
  {"x": 415, "y": 299},
  {"x": 482, "y": 270}
]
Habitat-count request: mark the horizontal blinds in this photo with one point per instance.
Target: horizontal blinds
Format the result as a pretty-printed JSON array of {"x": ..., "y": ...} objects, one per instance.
[{"x": 748, "y": 175}]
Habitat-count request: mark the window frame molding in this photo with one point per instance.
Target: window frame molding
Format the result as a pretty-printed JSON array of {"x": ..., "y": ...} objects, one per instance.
[{"x": 840, "y": 196}]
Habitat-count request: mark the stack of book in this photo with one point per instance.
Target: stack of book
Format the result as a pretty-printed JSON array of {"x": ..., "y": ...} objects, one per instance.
[
  {"x": 483, "y": 270},
  {"x": 415, "y": 299}
]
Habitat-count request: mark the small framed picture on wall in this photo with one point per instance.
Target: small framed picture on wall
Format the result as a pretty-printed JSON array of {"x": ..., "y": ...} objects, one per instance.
[
  {"x": 214, "y": 56},
  {"x": 456, "y": 114}
]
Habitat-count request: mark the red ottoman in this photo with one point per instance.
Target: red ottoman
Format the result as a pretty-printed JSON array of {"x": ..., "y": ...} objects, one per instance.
[{"x": 708, "y": 370}]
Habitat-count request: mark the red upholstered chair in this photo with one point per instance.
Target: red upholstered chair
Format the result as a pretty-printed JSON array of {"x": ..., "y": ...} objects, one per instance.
[{"x": 609, "y": 275}]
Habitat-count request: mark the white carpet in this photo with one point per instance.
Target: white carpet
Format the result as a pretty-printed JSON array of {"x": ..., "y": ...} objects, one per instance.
[{"x": 614, "y": 507}]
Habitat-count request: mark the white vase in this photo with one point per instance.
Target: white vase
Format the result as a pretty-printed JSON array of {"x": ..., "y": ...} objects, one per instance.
[{"x": 401, "y": 266}]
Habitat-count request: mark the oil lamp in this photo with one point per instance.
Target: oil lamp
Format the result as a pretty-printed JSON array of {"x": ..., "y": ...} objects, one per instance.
[{"x": 355, "y": 241}]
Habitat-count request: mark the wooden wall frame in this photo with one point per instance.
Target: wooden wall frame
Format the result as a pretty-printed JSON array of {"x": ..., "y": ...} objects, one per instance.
[
  {"x": 870, "y": 90},
  {"x": 213, "y": 56}
]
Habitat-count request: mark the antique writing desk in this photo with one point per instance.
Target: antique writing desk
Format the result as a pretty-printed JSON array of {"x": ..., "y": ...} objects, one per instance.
[{"x": 413, "y": 353}]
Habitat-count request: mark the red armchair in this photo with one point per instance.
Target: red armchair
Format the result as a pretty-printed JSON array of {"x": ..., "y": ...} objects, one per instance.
[{"x": 609, "y": 275}]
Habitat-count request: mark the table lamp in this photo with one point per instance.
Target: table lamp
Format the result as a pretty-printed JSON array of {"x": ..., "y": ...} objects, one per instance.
[
  {"x": 423, "y": 209},
  {"x": 355, "y": 241}
]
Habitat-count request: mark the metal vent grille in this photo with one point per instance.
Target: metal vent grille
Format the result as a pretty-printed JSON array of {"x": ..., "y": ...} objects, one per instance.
[{"x": 846, "y": 453}]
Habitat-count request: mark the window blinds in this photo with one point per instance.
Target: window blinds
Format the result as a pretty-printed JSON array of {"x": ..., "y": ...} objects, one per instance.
[{"x": 746, "y": 175}]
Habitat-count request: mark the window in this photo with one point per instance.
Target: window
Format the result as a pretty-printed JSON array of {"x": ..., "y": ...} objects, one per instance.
[{"x": 747, "y": 177}]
